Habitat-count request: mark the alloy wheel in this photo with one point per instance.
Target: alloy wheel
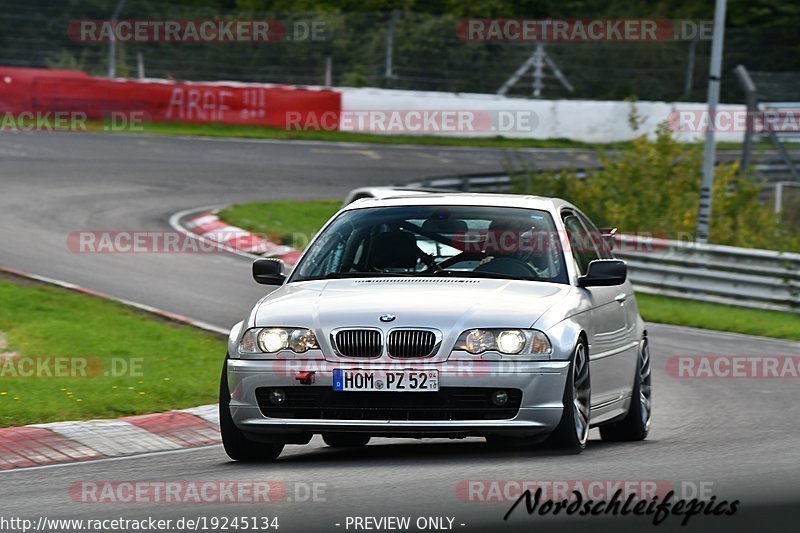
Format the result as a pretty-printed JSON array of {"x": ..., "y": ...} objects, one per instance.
[
  {"x": 645, "y": 388},
  {"x": 581, "y": 393}
]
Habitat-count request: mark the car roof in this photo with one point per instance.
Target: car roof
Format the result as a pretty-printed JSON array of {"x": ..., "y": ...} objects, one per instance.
[
  {"x": 460, "y": 198},
  {"x": 387, "y": 192}
]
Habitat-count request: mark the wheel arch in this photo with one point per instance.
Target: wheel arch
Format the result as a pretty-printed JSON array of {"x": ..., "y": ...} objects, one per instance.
[
  {"x": 564, "y": 336},
  {"x": 233, "y": 338}
]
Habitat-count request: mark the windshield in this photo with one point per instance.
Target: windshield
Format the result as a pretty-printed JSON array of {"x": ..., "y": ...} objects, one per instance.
[{"x": 458, "y": 241}]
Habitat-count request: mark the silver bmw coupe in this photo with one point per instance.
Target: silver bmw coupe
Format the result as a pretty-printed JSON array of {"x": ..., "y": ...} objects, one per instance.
[{"x": 441, "y": 315}]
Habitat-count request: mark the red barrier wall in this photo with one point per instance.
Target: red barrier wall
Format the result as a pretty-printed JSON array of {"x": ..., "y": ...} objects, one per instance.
[{"x": 39, "y": 91}]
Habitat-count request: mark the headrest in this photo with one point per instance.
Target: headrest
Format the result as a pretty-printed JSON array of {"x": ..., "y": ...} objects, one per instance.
[{"x": 394, "y": 249}]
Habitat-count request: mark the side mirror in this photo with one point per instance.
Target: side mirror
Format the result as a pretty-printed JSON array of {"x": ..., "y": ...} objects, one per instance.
[
  {"x": 604, "y": 273},
  {"x": 267, "y": 271}
]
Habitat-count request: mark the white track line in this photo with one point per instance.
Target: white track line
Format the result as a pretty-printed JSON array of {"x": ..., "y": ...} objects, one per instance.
[{"x": 174, "y": 222}]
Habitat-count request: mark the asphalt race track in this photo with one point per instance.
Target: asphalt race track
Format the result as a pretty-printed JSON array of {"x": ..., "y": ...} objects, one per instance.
[{"x": 742, "y": 435}]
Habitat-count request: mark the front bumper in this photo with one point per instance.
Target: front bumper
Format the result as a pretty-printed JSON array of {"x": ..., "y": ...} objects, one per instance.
[{"x": 541, "y": 383}]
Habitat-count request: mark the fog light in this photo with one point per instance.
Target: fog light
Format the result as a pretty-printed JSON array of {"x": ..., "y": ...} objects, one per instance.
[
  {"x": 277, "y": 397},
  {"x": 499, "y": 397}
]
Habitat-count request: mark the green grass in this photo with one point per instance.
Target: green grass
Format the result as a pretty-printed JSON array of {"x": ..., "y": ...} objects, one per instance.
[
  {"x": 290, "y": 223},
  {"x": 179, "y": 365},
  {"x": 720, "y": 317},
  {"x": 258, "y": 132}
]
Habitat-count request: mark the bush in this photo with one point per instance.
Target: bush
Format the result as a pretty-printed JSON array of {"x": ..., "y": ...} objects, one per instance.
[{"x": 653, "y": 187}]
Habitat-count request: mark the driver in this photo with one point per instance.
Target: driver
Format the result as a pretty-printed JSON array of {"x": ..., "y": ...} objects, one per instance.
[{"x": 515, "y": 247}]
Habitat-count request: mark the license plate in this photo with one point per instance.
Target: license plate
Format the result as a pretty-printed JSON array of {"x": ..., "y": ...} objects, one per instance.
[{"x": 386, "y": 380}]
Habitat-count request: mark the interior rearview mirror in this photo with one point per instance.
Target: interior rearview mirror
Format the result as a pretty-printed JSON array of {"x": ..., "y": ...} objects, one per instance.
[{"x": 609, "y": 237}]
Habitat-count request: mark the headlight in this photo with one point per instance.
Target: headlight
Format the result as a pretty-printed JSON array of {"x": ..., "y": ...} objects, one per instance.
[
  {"x": 479, "y": 340},
  {"x": 273, "y": 340},
  {"x": 302, "y": 340},
  {"x": 505, "y": 341},
  {"x": 511, "y": 341}
]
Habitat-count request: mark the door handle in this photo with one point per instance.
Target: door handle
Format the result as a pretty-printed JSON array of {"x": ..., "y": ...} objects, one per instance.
[{"x": 621, "y": 297}]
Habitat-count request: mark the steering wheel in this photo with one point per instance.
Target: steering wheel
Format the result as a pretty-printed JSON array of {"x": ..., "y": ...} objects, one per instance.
[
  {"x": 463, "y": 256},
  {"x": 510, "y": 266}
]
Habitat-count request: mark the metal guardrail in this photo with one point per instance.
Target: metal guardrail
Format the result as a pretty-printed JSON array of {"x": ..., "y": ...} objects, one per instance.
[
  {"x": 761, "y": 279},
  {"x": 745, "y": 277},
  {"x": 499, "y": 182}
]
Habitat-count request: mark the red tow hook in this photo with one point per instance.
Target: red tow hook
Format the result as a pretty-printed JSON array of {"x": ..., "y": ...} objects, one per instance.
[{"x": 305, "y": 378}]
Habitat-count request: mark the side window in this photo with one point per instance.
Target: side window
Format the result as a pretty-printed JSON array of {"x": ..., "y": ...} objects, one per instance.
[
  {"x": 583, "y": 248},
  {"x": 596, "y": 236}
]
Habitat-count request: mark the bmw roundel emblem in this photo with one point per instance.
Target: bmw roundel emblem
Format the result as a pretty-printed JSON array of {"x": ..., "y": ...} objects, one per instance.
[{"x": 387, "y": 318}]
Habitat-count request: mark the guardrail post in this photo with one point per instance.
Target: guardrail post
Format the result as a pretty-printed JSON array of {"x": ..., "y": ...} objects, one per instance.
[
  {"x": 388, "y": 66},
  {"x": 328, "y": 71},
  {"x": 751, "y": 101},
  {"x": 112, "y": 41},
  {"x": 715, "y": 70}
]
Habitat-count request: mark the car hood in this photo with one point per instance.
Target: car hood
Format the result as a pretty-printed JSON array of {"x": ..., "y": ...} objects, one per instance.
[{"x": 450, "y": 305}]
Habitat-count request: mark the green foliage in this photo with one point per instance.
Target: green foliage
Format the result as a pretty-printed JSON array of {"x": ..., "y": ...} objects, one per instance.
[
  {"x": 355, "y": 78},
  {"x": 428, "y": 54},
  {"x": 63, "y": 60},
  {"x": 653, "y": 187}
]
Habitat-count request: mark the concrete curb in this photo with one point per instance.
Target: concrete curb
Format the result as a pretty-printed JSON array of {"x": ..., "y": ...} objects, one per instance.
[
  {"x": 66, "y": 442},
  {"x": 207, "y": 226}
]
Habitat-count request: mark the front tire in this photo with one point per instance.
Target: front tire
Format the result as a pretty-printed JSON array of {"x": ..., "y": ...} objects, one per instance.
[
  {"x": 572, "y": 432},
  {"x": 636, "y": 424},
  {"x": 237, "y": 446},
  {"x": 345, "y": 440}
]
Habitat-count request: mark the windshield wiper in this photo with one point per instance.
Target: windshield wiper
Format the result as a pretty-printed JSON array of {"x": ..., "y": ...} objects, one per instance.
[
  {"x": 443, "y": 272},
  {"x": 346, "y": 275},
  {"x": 473, "y": 274}
]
